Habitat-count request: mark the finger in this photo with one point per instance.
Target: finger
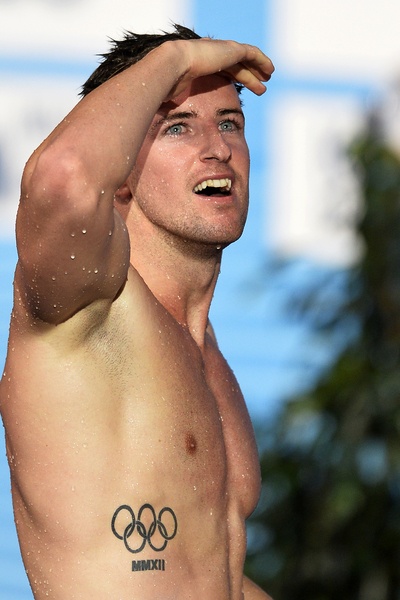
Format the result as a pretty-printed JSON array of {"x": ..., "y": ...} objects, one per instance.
[
  {"x": 229, "y": 53},
  {"x": 258, "y": 63},
  {"x": 241, "y": 74}
]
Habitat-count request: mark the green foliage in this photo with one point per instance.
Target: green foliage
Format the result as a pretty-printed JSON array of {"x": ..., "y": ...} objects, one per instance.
[{"x": 328, "y": 524}]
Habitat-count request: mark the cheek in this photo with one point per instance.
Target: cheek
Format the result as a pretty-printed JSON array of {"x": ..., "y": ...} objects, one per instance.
[
  {"x": 165, "y": 176},
  {"x": 144, "y": 178},
  {"x": 244, "y": 153},
  {"x": 153, "y": 186},
  {"x": 158, "y": 165}
]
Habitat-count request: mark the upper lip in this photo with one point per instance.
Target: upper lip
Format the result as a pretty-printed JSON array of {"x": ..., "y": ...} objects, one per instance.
[{"x": 224, "y": 183}]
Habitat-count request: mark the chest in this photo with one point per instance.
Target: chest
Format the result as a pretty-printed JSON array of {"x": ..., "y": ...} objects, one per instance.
[
  {"x": 237, "y": 430},
  {"x": 182, "y": 407}
]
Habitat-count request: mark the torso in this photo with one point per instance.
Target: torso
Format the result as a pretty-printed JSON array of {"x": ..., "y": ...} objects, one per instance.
[{"x": 130, "y": 422}]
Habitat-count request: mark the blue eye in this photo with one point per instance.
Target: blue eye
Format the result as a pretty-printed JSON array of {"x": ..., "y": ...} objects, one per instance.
[
  {"x": 175, "y": 129},
  {"x": 229, "y": 125}
]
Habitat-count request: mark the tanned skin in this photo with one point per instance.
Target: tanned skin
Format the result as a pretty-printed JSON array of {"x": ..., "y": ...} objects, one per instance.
[{"x": 132, "y": 456}]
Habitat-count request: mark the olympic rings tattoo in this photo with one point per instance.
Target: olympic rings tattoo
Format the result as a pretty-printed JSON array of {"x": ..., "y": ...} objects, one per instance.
[{"x": 146, "y": 534}]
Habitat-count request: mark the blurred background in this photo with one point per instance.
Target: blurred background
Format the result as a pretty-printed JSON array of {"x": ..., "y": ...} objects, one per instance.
[{"x": 307, "y": 307}]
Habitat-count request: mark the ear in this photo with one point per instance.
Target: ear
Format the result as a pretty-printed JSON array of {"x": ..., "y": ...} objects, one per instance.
[{"x": 123, "y": 194}]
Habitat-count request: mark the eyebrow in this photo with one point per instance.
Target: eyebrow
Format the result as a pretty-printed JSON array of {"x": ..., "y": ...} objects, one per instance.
[{"x": 172, "y": 117}]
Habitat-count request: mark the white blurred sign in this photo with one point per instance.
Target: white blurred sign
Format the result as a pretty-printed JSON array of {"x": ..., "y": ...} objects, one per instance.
[
  {"x": 335, "y": 59},
  {"x": 31, "y": 108},
  {"x": 340, "y": 39},
  {"x": 315, "y": 197},
  {"x": 80, "y": 28}
]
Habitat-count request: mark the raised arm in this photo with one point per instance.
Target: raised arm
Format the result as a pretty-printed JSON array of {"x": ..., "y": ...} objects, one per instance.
[{"x": 73, "y": 245}]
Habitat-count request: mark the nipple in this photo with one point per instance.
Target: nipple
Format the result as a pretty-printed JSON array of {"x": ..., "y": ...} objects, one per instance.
[{"x": 191, "y": 444}]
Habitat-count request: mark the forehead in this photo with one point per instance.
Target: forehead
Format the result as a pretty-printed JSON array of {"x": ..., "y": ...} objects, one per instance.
[{"x": 215, "y": 91}]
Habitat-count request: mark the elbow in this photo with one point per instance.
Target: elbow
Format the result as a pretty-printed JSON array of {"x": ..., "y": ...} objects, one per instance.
[
  {"x": 52, "y": 201},
  {"x": 52, "y": 177}
]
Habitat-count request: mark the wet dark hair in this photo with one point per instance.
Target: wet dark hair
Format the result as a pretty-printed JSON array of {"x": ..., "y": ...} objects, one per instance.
[{"x": 132, "y": 48}]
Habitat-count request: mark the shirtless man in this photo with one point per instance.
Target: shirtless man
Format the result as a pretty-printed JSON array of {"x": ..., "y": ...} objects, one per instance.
[{"x": 132, "y": 457}]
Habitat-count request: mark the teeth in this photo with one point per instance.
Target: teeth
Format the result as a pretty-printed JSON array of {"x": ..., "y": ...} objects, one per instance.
[{"x": 217, "y": 183}]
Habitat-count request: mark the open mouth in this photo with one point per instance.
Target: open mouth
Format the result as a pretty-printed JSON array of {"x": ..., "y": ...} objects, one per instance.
[{"x": 214, "y": 187}]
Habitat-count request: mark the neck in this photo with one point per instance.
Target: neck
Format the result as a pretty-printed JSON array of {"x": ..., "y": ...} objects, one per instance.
[{"x": 182, "y": 276}]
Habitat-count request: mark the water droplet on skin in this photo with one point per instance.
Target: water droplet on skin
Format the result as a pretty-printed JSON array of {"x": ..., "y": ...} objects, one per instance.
[
  {"x": 84, "y": 231},
  {"x": 96, "y": 270},
  {"x": 72, "y": 256},
  {"x": 218, "y": 247},
  {"x": 73, "y": 234},
  {"x": 53, "y": 278}
]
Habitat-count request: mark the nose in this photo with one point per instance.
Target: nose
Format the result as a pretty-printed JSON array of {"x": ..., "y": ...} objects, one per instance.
[{"x": 215, "y": 146}]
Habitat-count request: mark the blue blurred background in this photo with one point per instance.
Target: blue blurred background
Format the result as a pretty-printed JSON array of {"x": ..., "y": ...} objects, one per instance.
[{"x": 333, "y": 62}]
